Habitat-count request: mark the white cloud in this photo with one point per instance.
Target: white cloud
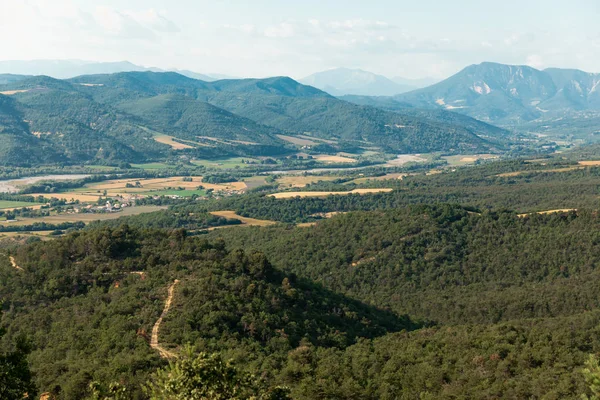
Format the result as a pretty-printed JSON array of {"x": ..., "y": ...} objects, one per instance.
[
  {"x": 283, "y": 30},
  {"x": 535, "y": 61},
  {"x": 155, "y": 20}
]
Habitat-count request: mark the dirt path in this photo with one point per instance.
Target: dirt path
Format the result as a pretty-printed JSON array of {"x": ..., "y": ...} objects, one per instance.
[
  {"x": 164, "y": 353},
  {"x": 14, "y": 263}
]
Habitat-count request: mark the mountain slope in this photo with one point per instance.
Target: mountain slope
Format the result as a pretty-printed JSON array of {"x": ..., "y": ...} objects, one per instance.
[
  {"x": 190, "y": 119},
  {"x": 18, "y": 145},
  {"x": 510, "y": 94},
  {"x": 344, "y": 81},
  {"x": 287, "y": 105}
]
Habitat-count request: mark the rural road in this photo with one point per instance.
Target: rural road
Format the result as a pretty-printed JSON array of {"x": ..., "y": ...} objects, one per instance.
[{"x": 164, "y": 353}]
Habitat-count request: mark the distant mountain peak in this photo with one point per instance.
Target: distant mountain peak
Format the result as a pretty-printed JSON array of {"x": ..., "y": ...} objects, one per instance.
[
  {"x": 501, "y": 93},
  {"x": 352, "y": 81}
]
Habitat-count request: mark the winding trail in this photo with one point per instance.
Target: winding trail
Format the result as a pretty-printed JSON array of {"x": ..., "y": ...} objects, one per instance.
[
  {"x": 14, "y": 263},
  {"x": 164, "y": 353}
]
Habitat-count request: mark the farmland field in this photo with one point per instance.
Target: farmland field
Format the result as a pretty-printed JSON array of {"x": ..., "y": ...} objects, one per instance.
[
  {"x": 288, "y": 195},
  {"x": 151, "y": 187},
  {"x": 302, "y": 180},
  {"x": 334, "y": 159},
  {"x": 168, "y": 140},
  {"x": 226, "y": 163},
  {"x": 5, "y": 204},
  {"x": 467, "y": 159},
  {"x": 297, "y": 141},
  {"x": 245, "y": 220},
  {"x": 84, "y": 217},
  {"x": 152, "y": 166}
]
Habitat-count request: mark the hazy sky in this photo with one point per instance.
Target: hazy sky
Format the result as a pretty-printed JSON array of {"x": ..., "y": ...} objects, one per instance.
[{"x": 413, "y": 39}]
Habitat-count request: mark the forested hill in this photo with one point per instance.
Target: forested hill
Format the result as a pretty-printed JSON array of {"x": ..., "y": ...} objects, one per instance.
[
  {"x": 507, "y": 299},
  {"x": 287, "y": 105},
  {"x": 123, "y": 113},
  {"x": 88, "y": 303}
]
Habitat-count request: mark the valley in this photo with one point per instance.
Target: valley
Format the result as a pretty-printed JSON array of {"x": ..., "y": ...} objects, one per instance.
[{"x": 343, "y": 248}]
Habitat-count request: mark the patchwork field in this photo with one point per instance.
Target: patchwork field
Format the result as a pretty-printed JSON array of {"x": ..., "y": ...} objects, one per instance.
[
  {"x": 152, "y": 187},
  {"x": 245, "y": 220},
  {"x": 289, "y": 195},
  {"x": 86, "y": 218}
]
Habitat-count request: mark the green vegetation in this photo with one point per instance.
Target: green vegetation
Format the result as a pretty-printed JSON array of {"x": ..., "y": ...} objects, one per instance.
[
  {"x": 14, "y": 204},
  {"x": 15, "y": 376},
  {"x": 122, "y": 118}
]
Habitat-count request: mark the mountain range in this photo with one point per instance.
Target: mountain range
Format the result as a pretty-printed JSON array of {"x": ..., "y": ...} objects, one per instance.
[
  {"x": 345, "y": 81},
  {"x": 65, "y": 69},
  {"x": 124, "y": 117},
  {"x": 509, "y": 94}
]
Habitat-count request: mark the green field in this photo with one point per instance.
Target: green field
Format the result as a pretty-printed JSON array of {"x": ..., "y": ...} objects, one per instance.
[
  {"x": 226, "y": 163},
  {"x": 4, "y": 204},
  {"x": 151, "y": 166}
]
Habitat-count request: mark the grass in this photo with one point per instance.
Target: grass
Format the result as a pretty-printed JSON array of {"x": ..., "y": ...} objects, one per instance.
[
  {"x": 297, "y": 141},
  {"x": 462, "y": 159},
  {"x": 151, "y": 166},
  {"x": 6, "y": 204},
  {"x": 226, "y": 163}
]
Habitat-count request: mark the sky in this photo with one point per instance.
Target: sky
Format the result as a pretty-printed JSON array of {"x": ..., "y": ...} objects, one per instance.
[{"x": 257, "y": 38}]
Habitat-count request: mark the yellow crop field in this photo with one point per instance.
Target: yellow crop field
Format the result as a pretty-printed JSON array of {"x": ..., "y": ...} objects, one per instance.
[
  {"x": 245, "y": 220},
  {"x": 168, "y": 140},
  {"x": 11, "y": 92},
  {"x": 589, "y": 163},
  {"x": 561, "y": 210},
  {"x": 302, "y": 180},
  {"x": 334, "y": 159},
  {"x": 289, "y": 195}
]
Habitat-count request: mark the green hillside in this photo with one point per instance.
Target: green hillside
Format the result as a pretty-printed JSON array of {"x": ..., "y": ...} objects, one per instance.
[
  {"x": 97, "y": 313},
  {"x": 187, "y": 118},
  {"x": 17, "y": 144}
]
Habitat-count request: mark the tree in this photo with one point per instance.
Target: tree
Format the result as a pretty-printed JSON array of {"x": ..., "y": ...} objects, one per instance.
[
  {"x": 592, "y": 377},
  {"x": 208, "y": 377},
  {"x": 15, "y": 376}
]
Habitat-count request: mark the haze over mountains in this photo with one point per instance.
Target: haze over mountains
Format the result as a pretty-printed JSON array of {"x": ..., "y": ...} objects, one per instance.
[
  {"x": 345, "y": 81},
  {"x": 65, "y": 69},
  {"x": 117, "y": 118}
]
